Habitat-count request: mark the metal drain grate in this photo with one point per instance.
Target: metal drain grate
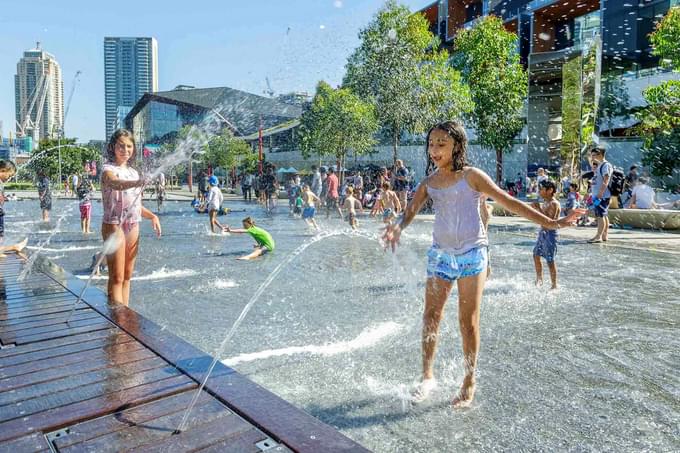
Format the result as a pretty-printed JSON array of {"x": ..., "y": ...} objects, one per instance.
[{"x": 266, "y": 444}]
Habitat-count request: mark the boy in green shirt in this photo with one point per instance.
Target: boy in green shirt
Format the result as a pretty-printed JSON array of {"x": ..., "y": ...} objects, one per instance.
[{"x": 263, "y": 240}]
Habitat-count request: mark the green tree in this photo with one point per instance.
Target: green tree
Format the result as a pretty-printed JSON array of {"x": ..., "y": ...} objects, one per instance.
[
  {"x": 336, "y": 122},
  {"x": 73, "y": 158},
  {"x": 487, "y": 57},
  {"x": 660, "y": 120},
  {"x": 614, "y": 100},
  {"x": 660, "y": 127},
  {"x": 226, "y": 151},
  {"x": 401, "y": 70},
  {"x": 666, "y": 39}
]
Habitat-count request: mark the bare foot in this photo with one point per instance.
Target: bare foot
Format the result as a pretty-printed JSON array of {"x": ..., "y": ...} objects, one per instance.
[
  {"x": 423, "y": 390},
  {"x": 465, "y": 395},
  {"x": 539, "y": 282},
  {"x": 594, "y": 240},
  {"x": 19, "y": 246}
]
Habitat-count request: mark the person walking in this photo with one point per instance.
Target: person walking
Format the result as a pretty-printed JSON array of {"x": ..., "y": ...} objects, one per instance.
[{"x": 601, "y": 193}]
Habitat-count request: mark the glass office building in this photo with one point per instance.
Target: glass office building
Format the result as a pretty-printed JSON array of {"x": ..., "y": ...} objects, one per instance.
[{"x": 574, "y": 50}]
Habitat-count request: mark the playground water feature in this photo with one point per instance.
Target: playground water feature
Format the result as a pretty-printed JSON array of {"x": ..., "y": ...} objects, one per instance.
[{"x": 592, "y": 366}]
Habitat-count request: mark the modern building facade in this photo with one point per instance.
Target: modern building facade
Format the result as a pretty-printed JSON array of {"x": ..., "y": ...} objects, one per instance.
[
  {"x": 158, "y": 117},
  {"x": 130, "y": 71},
  {"x": 588, "y": 62},
  {"x": 39, "y": 95}
]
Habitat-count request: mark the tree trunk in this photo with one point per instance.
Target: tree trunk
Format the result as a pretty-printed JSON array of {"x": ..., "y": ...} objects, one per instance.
[
  {"x": 499, "y": 167},
  {"x": 395, "y": 146},
  {"x": 189, "y": 178}
]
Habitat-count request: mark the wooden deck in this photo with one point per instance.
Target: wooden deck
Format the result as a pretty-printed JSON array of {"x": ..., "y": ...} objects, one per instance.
[{"x": 111, "y": 380}]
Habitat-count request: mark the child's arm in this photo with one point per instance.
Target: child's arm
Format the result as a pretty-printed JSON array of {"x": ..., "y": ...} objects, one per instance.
[
  {"x": 110, "y": 180},
  {"x": 481, "y": 182},
  {"x": 397, "y": 203},
  {"x": 155, "y": 223},
  {"x": 235, "y": 230},
  {"x": 393, "y": 231}
]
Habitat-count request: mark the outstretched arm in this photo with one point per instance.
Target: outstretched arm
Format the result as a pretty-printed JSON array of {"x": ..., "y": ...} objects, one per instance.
[
  {"x": 481, "y": 182},
  {"x": 110, "y": 180}
]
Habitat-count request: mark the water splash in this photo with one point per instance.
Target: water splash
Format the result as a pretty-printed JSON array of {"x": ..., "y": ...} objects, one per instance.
[
  {"x": 28, "y": 268},
  {"x": 251, "y": 302}
]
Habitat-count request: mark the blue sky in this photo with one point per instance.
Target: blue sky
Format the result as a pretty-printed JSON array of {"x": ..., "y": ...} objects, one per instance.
[{"x": 203, "y": 43}]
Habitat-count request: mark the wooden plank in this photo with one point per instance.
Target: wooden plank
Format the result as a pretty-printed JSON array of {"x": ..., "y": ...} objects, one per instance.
[
  {"x": 34, "y": 300},
  {"x": 30, "y": 443},
  {"x": 53, "y": 419},
  {"x": 117, "y": 337},
  {"x": 142, "y": 435},
  {"x": 63, "y": 398},
  {"x": 58, "y": 343},
  {"x": 47, "y": 320},
  {"x": 17, "y": 336},
  {"x": 18, "y": 293},
  {"x": 59, "y": 307},
  {"x": 201, "y": 436},
  {"x": 242, "y": 443},
  {"x": 104, "y": 324},
  {"x": 55, "y": 363},
  {"x": 10, "y": 311},
  {"x": 69, "y": 382},
  {"x": 139, "y": 415}
]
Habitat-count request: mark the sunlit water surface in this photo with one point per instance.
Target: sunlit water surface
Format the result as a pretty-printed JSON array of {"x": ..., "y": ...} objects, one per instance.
[{"x": 593, "y": 366}]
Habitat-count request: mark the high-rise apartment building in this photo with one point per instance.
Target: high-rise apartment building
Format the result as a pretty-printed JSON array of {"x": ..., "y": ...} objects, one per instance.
[
  {"x": 130, "y": 70},
  {"x": 39, "y": 95}
]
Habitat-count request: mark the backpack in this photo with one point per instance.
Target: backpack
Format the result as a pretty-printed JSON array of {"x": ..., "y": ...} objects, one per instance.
[{"x": 616, "y": 181}]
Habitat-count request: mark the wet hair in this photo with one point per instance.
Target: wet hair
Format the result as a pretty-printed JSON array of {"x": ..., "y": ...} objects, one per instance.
[
  {"x": 111, "y": 147},
  {"x": 249, "y": 220},
  {"x": 7, "y": 166},
  {"x": 456, "y": 131},
  {"x": 548, "y": 184},
  {"x": 386, "y": 185}
]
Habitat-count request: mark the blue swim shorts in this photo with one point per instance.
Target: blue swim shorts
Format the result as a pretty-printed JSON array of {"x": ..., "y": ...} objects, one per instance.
[
  {"x": 602, "y": 210},
  {"x": 546, "y": 245},
  {"x": 388, "y": 213},
  {"x": 308, "y": 212},
  {"x": 451, "y": 267}
]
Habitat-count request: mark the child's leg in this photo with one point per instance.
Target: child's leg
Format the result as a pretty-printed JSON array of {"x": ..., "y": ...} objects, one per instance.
[
  {"x": 437, "y": 292},
  {"x": 116, "y": 263},
  {"x": 255, "y": 253},
  {"x": 470, "y": 291},
  {"x": 605, "y": 229},
  {"x": 539, "y": 270},
  {"x": 553, "y": 274},
  {"x": 131, "y": 249}
]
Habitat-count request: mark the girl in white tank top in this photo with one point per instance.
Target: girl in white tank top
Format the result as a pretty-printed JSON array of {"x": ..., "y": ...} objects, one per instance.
[{"x": 459, "y": 242}]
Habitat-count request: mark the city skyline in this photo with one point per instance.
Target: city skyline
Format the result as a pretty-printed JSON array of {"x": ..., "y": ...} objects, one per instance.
[{"x": 293, "y": 45}]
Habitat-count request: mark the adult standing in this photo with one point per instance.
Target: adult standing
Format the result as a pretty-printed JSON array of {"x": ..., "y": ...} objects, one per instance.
[
  {"x": 358, "y": 186},
  {"x": 74, "y": 184},
  {"x": 401, "y": 182},
  {"x": 601, "y": 193},
  {"x": 316, "y": 181},
  {"x": 202, "y": 185},
  {"x": 332, "y": 194},
  {"x": 246, "y": 186},
  {"x": 44, "y": 195}
]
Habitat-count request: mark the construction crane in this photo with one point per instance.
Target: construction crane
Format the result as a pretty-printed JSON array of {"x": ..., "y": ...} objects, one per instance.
[
  {"x": 37, "y": 98},
  {"x": 68, "y": 107},
  {"x": 269, "y": 90},
  {"x": 70, "y": 98}
]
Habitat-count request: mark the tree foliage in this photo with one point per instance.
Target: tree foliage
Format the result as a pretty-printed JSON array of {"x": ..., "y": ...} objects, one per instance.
[
  {"x": 226, "y": 151},
  {"x": 660, "y": 120},
  {"x": 660, "y": 127},
  {"x": 73, "y": 157},
  {"x": 336, "y": 122},
  {"x": 488, "y": 59},
  {"x": 401, "y": 70},
  {"x": 666, "y": 38}
]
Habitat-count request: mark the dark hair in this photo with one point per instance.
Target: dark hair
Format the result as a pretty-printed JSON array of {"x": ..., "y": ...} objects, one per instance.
[
  {"x": 8, "y": 167},
  {"x": 574, "y": 185},
  {"x": 548, "y": 184},
  {"x": 456, "y": 131},
  {"x": 249, "y": 220},
  {"x": 633, "y": 167},
  {"x": 111, "y": 147},
  {"x": 598, "y": 149},
  {"x": 330, "y": 170}
]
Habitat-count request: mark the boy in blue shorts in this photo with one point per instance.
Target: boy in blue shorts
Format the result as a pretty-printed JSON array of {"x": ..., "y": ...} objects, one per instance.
[{"x": 546, "y": 242}]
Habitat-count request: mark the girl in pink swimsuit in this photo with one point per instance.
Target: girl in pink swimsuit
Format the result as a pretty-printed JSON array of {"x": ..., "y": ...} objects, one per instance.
[
  {"x": 123, "y": 210},
  {"x": 459, "y": 247}
]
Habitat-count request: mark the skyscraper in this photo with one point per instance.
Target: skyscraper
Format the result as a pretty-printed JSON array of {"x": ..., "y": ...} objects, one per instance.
[
  {"x": 130, "y": 70},
  {"x": 39, "y": 95}
]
